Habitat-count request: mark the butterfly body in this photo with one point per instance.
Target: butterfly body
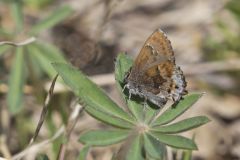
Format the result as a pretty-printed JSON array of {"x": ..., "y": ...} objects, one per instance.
[{"x": 154, "y": 75}]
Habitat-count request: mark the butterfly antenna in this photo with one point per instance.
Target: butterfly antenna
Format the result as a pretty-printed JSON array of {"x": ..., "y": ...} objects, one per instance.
[{"x": 145, "y": 104}]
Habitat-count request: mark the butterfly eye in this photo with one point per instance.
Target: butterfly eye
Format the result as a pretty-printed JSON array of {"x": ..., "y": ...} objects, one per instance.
[{"x": 176, "y": 87}]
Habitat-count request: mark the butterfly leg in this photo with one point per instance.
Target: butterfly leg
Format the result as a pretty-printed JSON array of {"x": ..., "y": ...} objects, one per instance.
[
  {"x": 124, "y": 87},
  {"x": 145, "y": 104},
  {"x": 130, "y": 94}
]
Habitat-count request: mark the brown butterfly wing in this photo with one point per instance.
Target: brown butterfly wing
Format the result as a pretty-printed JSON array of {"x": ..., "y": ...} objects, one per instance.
[
  {"x": 155, "y": 64},
  {"x": 157, "y": 48},
  {"x": 154, "y": 74}
]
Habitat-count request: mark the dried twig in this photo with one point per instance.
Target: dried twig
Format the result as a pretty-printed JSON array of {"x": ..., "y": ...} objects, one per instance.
[
  {"x": 27, "y": 41},
  {"x": 44, "y": 110},
  {"x": 38, "y": 146},
  {"x": 4, "y": 125},
  {"x": 4, "y": 148},
  {"x": 70, "y": 126},
  {"x": 33, "y": 148}
]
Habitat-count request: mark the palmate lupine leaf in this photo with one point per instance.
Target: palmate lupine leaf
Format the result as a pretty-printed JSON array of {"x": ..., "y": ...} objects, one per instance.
[
  {"x": 17, "y": 14},
  {"x": 107, "y": 118},
  {"x": 131, "y": 149},
  {"x": 50, "y": 52},
  {"x": 44, "y": 63},
  {"x": 181, "y": 126},
  {"x": 153, "y": 138},
  {"x": 83, "y": 153},
  {"x": 154, "y": 149},
  {"x": 136, "y": 110},
  {"x": 175, "y": 141},
  {"x": 89, "y": 92},
  {"x": 150, "y": 113},
  {"x": 45, "y": 54},
  {"x": 166, "y": 117},
  {"x": 103, "y": 137},
  {"x": 122, "y": 65},
  {"x": 135, "y": 150},
  {"x": 173, "y": 112},
  {"x": 4, "y": 49},
  {"x": 57, "y": 16},
  {"x": 16, "y": 82}
]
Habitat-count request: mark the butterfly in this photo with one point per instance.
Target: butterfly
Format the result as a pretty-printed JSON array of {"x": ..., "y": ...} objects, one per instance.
[{"x": 154, "y": 75}]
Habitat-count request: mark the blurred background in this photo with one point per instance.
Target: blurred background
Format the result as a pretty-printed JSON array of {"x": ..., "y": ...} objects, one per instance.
[{"x": 205, "y": 35}]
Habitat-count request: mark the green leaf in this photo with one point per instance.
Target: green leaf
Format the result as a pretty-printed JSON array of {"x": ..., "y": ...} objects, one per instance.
[
  {"x": 183, "y": 125},
  {"x": 154, "y": 148},
  {"x": 122, "y": 66},
  {"x": 135, "y": 150},
  {"x": 4, "y": 48},
  {"x": 187, "y": 155},
  {"x": 16, "y": 82},
  {"x": 109, "y": 119},
  {"x": 35, "y": 70},
  {"x": 136, "y": 109},
  {"x": 83, "y": 153},
  {"x": 57, "y": 16},
  {"x": 42, "y": 157},
  {"x": 6, "y": 33},
  {"x": 43, "y": 61},
  {"x": 38, "y": 4},
  {"x": 174, "y": 141},
  {"x": 17, "y": 13},
  {"x": 51, "y": 52},
  {"x": 233, "y": 6},
  {"x": 131, "y": 149},
  {"x": 103, "y": 137},
  {"x": 89, "y": 92},
  {"x": 140, "y": 112},
  {"x": 150, "y": 113},
  {"x": 45, "y": 56},
  {"x": 173, "y": 112}
]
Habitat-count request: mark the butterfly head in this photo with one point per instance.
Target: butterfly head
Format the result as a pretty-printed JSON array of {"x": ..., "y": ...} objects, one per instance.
[{"x": 133, "y": 88}]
